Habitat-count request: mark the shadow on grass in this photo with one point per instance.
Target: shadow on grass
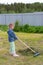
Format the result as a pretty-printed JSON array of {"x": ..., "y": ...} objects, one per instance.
[{"x": 28, "y": 52}]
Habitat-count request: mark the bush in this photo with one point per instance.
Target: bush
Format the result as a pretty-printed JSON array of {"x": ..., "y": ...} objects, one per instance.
[
  {"x": 27, "y": 28},
  {"x": 41, "y": 29},
  {"x": 3, "y": 27},
  {"x": 17, "y": 27},
  {"x": 23, "y": 28},
  {"x": 32, "y": 29}
]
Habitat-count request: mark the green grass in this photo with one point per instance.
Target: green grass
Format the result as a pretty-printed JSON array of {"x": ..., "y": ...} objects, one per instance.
[{"x": 26, "y": 58}]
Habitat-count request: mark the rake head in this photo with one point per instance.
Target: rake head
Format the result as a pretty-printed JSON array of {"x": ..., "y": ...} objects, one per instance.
[{"x": 36, "y": 54}]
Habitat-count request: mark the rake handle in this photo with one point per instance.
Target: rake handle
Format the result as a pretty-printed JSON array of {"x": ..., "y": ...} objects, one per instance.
[{"x": 27, "y": 46}]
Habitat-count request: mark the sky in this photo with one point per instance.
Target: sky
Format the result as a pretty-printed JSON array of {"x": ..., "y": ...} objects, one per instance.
[{"x": 19, "y": 1}]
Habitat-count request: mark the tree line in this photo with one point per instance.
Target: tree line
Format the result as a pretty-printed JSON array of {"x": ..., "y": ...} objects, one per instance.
[{"x": 21, "y": 7}]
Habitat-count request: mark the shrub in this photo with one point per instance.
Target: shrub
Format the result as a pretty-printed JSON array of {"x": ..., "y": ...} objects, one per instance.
[
  {"x": 23, "y": 28},
  {"x": 17, "y": 27},
  {"x": 3, "y": 27},
  {"x": 26, "y": 28}
]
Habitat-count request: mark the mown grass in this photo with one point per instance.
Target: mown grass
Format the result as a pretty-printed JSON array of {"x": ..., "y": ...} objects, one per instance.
[{"x": 26, "y": 58}]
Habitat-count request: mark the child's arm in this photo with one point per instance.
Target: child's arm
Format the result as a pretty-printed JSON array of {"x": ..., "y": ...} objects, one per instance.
[{"x": 12, "y": 34}]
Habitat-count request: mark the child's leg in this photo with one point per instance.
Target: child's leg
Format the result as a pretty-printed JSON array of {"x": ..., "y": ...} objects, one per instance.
[{"x": 12, "y": 48}]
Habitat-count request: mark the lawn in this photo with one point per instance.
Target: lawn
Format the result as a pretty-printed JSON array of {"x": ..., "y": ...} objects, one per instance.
[{"x": 26, "y": 58}]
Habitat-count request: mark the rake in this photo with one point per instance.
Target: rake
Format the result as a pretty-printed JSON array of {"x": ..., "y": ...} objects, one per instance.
[{"x": 35, "y": 53}]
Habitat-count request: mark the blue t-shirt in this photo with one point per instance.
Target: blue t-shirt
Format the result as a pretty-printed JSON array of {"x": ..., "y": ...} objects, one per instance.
[{"x": 11, "y": 35}]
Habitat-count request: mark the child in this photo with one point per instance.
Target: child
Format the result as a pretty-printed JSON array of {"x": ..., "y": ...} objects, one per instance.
[{"x": 12, "y": 37}]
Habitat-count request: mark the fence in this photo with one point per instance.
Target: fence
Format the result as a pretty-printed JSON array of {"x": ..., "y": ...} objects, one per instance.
[{"x": 34, "y": 19}]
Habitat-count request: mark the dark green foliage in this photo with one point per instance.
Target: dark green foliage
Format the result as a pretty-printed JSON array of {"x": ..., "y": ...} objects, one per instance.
[
  {"x": 3, "y": 27},
  {"x": 27, "y": 28},
  {"x": 23, "y": 28},
  {"x": 16, "y": 28},
  {"x": 21, "y": 7}
]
